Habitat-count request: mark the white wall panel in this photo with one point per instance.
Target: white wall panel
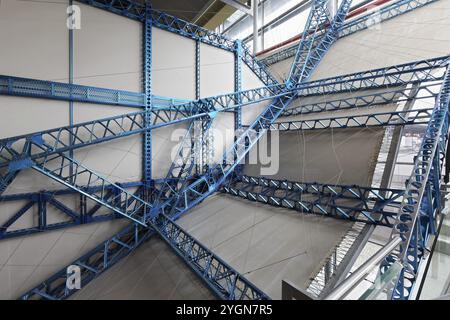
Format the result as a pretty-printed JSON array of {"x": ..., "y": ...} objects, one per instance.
[
  {"x": 34, "y": 39},
  {"x": 108, "y": 50},
  {"x": 216, "y": 71},
  {"x": 173, "y": 65}
]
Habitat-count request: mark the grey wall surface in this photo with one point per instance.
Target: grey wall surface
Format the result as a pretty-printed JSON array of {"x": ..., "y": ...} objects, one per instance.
[
  {"x": 153, "y": 272},
  {"x": 264, "y": 243},
  {"x": 336, "y": 156}
]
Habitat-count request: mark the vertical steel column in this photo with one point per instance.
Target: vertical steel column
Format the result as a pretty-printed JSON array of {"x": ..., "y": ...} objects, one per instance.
[
  {"x": 237, "y": 88},
  {"x": 197, "y": 69},
  {"x": 147, "y": 144},
  {"x": 71, "y": 117},
  {"x": 238, "y": 83}
]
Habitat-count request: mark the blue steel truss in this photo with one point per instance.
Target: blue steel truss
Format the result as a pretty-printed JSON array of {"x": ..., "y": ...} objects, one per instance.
[
  {"x": 421, "y": 205},
  {"x": 224, "y": 281},
  {"x": 71, "y": 217},
  {"x": 392, "y": 76},
  {"x": 388, "y": 12},
  {"x": 122, "y": 202},
  {"x": 356, "y": 203},
  {"x": 390, "y": 95},
  {"x": 92, "y": 264},
  {"x": 147, "y": 54},
  {"x": 393, "y": 118},
  {"x": 183, "y": 166},
  {"x": 197, "y": 191},
  {"x": 308, "y": 54}
]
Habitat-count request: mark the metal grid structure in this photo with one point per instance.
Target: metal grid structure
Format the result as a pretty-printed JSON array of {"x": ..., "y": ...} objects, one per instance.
[{"x": 154, "y": 209}]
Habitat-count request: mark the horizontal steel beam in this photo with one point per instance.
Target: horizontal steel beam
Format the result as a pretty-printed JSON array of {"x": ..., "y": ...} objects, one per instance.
[
  {"x": 393, "y": 118},
  {"x": 356, "y": 203},
  {"x": 26, "y": 87},
  {"x": 387, "y": 96},
  {"x": 37, "y": 203}
]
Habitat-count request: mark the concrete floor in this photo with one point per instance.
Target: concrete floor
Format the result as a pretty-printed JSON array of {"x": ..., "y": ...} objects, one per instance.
[
  {"x": 264, "y": 243},
  {"x": 151, "y": 272}
]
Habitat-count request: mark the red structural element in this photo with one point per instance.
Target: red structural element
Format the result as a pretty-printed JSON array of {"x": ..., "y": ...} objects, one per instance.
[{"x": 351, "y": 14}]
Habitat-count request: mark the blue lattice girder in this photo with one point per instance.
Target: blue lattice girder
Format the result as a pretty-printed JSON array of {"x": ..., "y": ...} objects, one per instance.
[
  {"x": 147, "y": 84},
  {"x": 15, "y": 152},
  {"x": 26, "y": 87},
  {"x": 417, "y": 213},
  {"x": 225, "y": 282},
  {"x": 350, "y": 202},
  {"x": 36, "y": 204},
  {"x": 183, "y": 165},
  {"x": 371, "y": 119}
]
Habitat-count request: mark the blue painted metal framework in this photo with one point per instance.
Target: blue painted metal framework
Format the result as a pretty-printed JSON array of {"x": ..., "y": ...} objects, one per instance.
[
  {"x": 390, "y": 11},
  {"x": 16, "y": 152},
  {"x": 356, "y": 203},
  {"x": 69, "y": 217},
  {"x": 35, "y": 88},
  {"x": 183, "y": 190},
  {"x": 420, "y": 207}
]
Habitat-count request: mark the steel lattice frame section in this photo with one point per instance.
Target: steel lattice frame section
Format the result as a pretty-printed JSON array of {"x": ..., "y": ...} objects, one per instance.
[
  {"x": 393, "y": 118},
  {"x": 225, "y": 281},
  {"x": 402, "y": 94},
  {"x": 42, "y": 200},
  {"x": 356, "y": 203},
  {"x": 213, "y": 179},
  {"x": 393, "y": 10},
  {"x": 147, "y": 54},
  {"x": 421, "y": 204}
]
